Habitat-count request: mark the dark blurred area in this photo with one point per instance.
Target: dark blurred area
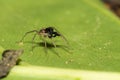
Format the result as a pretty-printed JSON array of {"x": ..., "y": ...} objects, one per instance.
[{"x": 113, "y": 5}]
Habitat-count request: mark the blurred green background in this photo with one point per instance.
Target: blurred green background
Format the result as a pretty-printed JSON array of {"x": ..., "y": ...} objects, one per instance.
[{"x": 91, "y": 29}]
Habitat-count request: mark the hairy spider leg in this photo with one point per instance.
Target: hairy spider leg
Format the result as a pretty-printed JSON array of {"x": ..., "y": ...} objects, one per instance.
[{"x": 27, "y": 34}]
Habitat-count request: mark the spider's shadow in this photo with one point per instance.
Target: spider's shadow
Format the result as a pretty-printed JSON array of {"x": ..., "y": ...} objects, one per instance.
[{"x": 49, "y": 46}]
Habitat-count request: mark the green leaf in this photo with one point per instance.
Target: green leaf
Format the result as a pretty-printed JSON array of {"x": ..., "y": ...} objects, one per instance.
[
  {"x": 91, "y": 29},
  {"x": 46, "y": 73}
]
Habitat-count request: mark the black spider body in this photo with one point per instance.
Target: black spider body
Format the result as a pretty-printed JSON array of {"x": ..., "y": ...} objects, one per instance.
[{"x": 51, "y": 33}]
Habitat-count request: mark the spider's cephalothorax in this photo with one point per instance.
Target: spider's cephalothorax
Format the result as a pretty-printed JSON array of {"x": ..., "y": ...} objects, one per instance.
[{"x": 49, "y": 32}]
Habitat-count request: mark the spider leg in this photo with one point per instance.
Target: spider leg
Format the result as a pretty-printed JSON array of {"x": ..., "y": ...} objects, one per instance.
[
  {"x": 66, "y": 41},
  {"x": 27, "y": 34},
  {"x": 53, "y": 42},
  {"x": 45, "y": 44},
  {"x": 42, "y": 37},
  {"x": 33, "y": 40}
]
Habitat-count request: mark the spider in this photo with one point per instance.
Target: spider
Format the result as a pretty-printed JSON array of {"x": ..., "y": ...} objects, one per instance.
[{"x": 49, "y": 32}]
